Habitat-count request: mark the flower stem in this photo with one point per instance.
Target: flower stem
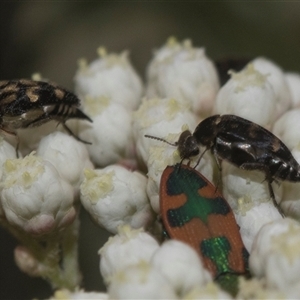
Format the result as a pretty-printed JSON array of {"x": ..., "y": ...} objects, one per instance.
[{"x": 55, "y": 256}]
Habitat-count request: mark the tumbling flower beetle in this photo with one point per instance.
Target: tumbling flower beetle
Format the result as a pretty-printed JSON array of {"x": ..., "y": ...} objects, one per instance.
[
  {"x": 193, "y": 212},
  {"x": 242, "y": 143},
  {"x": 27, "y": 103}
]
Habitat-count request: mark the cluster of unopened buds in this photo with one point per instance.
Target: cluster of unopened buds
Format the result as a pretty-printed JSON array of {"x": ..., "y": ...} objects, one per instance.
[{"x": 116, "y": 178}]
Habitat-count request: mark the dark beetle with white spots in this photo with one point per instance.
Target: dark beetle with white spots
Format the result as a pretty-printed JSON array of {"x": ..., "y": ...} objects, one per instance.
[
  {"x": 243, "y": 144},
  {"x": 27, "y": 103}
]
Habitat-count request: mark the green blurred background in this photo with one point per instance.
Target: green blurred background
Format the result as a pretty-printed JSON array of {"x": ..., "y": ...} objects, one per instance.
[{"x": 50, "y": 36}]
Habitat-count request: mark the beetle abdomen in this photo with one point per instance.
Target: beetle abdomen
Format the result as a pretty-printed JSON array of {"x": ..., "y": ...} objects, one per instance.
[
  {"x": 62, "y": 112},
  {"x": 27, "y": 103},
  {"x": 287, "y": 172},
  {"x": 19, "y": 96}
]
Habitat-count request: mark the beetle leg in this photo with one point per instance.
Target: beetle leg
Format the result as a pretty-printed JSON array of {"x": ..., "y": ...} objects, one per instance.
[
  {"x": 35, "y": 117},
  {"x": 198, "y": 161},
  {"x": 72, "y": 134},
  {"x": 219, "y": 165},
  {"x": 219, "y": 182},
  {"x": 272, "y": 195},
  {"x": 254, "y": 166},
  {"x": 269, "y": 179},
  {"x": 217, "y": 159},
  {"x": 17, "y": 146}
]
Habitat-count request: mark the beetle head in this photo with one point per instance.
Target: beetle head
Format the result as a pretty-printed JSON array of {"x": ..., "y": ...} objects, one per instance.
[{"x": 187, "y": 145}]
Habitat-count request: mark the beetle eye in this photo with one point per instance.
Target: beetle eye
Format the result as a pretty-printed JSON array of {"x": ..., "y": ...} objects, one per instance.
[{"x": 195, "y": 152}]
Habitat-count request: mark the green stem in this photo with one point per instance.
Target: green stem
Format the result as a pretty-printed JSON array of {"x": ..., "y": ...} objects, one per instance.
[
  {"x": 70, "y": 266},
  {"x": 57, "y": 254}
]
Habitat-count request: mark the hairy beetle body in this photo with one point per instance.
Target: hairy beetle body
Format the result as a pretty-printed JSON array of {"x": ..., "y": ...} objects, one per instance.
[
  {"x": 247, "y": 146},
  {"x": 28, "y": 103},
  {"x": 242, "y": 143}
]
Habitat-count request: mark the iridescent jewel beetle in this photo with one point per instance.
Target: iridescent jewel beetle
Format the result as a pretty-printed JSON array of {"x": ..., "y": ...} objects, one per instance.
[
  {"x": 242, "y": 143},
  {"x": 193, "y": 212},
  {"x": 27, "y": 103}
]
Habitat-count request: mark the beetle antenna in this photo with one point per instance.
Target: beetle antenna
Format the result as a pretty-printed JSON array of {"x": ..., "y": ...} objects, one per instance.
[{"x": 160, "y": 139}]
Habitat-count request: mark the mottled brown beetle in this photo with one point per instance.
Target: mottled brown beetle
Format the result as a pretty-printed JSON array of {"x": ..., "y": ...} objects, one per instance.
[
  {"x": 27, "y": 103},
  {"x": 242, "y": 143}
]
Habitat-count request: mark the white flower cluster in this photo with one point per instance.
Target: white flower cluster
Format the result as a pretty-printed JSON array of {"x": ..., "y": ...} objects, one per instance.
[
  {"x": 40, "y": 194},
  {"x": 110, "y": 90},
  {"x": 115, "y": 196},
  {"x": 185, "y": 73},
  {"x": 136, "y": 267},
  {"x": 39, "y": 205},
  {"x": 38, "y": 191},
  {"x": 65, "y": 294}
]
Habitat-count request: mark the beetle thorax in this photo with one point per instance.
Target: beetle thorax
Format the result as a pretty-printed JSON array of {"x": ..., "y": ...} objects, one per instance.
[{"x": 206, "y": 132}]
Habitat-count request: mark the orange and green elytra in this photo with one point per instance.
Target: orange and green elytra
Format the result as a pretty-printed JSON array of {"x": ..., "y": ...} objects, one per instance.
[{"x": 194, "y": 212}]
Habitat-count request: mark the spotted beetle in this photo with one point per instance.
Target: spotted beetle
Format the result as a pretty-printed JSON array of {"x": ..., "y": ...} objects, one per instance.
[
  {"x": 193, "y": 212},
  {"x": 243, "y": 144},
  {"x": 27, "y": 103}
]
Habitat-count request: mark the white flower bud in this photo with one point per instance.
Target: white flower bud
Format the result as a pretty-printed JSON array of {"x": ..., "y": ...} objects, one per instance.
[
  {"x": 244, "y": 189},
  {"x": 159, "y": 117},
  {"x": 78, "y": 295},
  {"x": 7, "y": 151},
  {"x": 27, "y": 263},
  {"x": 185, "y": 73},
  {"x": 68, "y": 155},
  {"x": 293, "y": 81},
  {"x": 140, "y": 281},
  {"x": 249, "y": 95},
  {"x": 34, "y": 197},
  {"x": 290, "y": 203},
  {"x": 181, "y": 265},
  {"x": 30, "y": 138},
  {"x": 277, "y": 79},
  {"x": 248, "y": 195},
  {"x": 209, "y": 291},
  {"x": 287, "y": 128},
  {"x": 110, "y": 76},
  {"x": 110, "y": 134},
  {"x": 252, "y": 220},
  {"x": 275, "y": 254},
  {"x": 115, "y": 196},
  {"x": 253, "y": 289},
  {"x": 128, "y": 247}
]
